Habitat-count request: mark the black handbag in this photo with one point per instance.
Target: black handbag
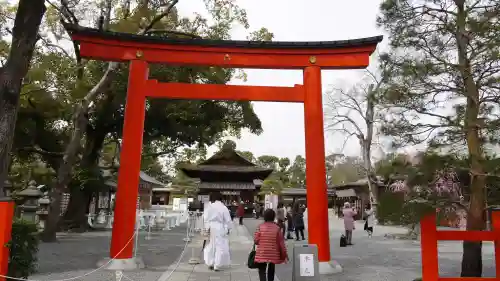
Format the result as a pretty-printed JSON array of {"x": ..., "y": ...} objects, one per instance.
[
  {"x": 251, "y": 259},
  {"x": 343, "y": 241}
]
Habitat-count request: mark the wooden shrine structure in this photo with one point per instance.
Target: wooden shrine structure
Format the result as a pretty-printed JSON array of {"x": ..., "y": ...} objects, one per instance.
[
  {"x": 228, "y": 172},
  {"x": 140, "y": 51}
]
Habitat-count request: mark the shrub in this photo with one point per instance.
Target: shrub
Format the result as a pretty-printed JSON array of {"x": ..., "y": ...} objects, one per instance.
[
  {"x": 395, "y": 209},
  {"x": 23, "y": 249},
  {"x": 390, "y": 208}
]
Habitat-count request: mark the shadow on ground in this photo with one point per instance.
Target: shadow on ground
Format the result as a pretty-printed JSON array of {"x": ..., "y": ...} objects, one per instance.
[{"x": 81, "y": 251}]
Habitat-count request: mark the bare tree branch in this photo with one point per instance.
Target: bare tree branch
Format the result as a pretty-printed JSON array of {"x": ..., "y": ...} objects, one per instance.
[{"x": 168, "y": 9}]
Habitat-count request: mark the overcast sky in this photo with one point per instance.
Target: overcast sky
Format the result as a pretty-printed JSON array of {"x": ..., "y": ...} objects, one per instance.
[{"x": 298, "y": 20}]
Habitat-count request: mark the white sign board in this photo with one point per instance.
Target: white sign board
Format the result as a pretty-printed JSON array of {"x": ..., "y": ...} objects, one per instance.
[
  {"x": 183, "y": 204},
  {"x": 176, "y": 204},
  {"x": 306, "y": 264},
  {"x": 204, "y": 198},
  {"x": 271, "y": 202}
]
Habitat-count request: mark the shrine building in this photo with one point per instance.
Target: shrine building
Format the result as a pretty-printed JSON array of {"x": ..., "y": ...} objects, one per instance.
[{"x": 230, "y": 173}]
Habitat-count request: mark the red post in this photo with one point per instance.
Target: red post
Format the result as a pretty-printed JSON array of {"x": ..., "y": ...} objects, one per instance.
[
  {"x": 428, "y": 241},
  {"x": 317, "y": 198},
  {"x": 495, "y": 227},
  {"x": 122, "y": 243},
  {"x": 6, "y": 216}
]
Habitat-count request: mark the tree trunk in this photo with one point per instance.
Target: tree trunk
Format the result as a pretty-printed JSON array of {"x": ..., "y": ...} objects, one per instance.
[
  {"x": 51, "y": 227},
  {"x": 367, "y": 146},
  {"x": 64, "y": 176},
  {"x": 472, "y": 256},
  {"x": 65, "y": 171},
  {"x": 75, "y": 216},
  {"x": 24, "y": 36}
]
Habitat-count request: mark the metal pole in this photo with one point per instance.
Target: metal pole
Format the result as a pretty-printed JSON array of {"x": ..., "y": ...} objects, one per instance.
[
  {"x": 148, "y": 236},
  {"x": 136, "y": 243},
  {"x": 194, "y": 258},
  {"x": 192, "y": 224},
  {"x": 187, "y": 239}
]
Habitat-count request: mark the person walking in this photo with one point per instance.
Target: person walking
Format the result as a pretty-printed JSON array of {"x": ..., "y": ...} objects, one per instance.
[
  {"x": 232, "y": 210},
  {"x": 289, "y": 223},
  {"x": 271, "y": 249},
  {"x": 369, "y": 219},
  {"x": 349, "y": 214},
  {"x": 257, "y": 210},
  {"x": 240, "y": 212},
  {"x": 218, "y": 223},
  {"x": 280, "y": 217},
  {"x": 298, "y": 221}
]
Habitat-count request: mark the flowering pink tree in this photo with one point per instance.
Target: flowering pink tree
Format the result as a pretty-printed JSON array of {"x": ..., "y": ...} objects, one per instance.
[{"x": 429, "y": 183}]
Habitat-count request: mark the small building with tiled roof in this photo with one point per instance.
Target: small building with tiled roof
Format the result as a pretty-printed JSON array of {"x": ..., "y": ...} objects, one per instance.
[{"x": 230, "y": 173}]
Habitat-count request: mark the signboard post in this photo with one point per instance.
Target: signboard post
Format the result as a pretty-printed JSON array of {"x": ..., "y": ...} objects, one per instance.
[{"x": 305, "y": 263}]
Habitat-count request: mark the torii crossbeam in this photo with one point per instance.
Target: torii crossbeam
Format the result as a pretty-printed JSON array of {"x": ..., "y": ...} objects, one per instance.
[{"x": 311, "y": 57}]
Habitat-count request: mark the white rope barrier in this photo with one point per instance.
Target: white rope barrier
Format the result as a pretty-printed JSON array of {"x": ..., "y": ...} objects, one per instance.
[{"x": 170, "y": 222}]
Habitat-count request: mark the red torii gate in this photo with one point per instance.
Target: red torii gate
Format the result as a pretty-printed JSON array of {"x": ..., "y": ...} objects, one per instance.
[{"x": 311, "y": 57}]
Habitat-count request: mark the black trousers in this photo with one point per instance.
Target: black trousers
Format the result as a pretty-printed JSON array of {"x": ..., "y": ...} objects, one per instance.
[
  {"x": 266, "y": 271},
  {"x": 241, "y": 220},
  {"x": 301, "y": 231}
]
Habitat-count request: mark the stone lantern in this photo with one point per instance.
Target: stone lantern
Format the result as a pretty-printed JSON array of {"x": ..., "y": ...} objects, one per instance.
[
  {"x": 7, "y": 187},
  {"x": 43, "y": 210},
  {"x": 29, "y": 201}
]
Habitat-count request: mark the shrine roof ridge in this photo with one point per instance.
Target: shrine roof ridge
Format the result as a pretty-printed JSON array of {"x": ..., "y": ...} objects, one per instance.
[
  {"x": 225, "y": 168},
  {"x": 359, "y": 42}
]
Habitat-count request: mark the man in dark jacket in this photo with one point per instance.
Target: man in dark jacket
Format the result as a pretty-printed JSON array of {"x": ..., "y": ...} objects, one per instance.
[{"x": 298, "y": 221}]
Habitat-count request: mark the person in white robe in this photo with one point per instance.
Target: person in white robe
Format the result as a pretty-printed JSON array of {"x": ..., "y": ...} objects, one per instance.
[{"x": 218, "y": 223}]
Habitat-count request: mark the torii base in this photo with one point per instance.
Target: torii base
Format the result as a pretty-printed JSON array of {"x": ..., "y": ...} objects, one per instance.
[
  {"x": 121, "y": 264},
  {"x": 329, "y": 267}
]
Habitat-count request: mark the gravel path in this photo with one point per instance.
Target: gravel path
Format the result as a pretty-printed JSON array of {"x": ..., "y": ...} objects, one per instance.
[
  {"x": 77, "y": 254},
  {"x": 382, "y": 259}
]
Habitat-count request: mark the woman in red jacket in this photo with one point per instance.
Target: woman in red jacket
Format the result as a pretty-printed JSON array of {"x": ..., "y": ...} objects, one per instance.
[{"x": 271, "y": 249}]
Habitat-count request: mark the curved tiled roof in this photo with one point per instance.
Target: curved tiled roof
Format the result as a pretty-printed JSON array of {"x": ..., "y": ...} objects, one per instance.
[{"x": 225, "y": 43}]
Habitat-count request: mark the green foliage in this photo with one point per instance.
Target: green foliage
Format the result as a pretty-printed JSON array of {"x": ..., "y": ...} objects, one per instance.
[
  {"x": 248, "y": 155},
  {"x": 345, "y": 170},
  {"x": 444, "y": 55},
  {"x": 22, "y": 171},
  {"x": 268, "y": 161},
  {"x": 184, "y": 184},
  {"x": 56, "y": 82},
  {"x": 23, "y": 249},
  {"x": 91, "y": 179},
  {"x": 272, "y": 185},
  {"x": 262, "y": 34},
  {"x": 389, "y": 208},
  {"x": 297, "y": 172},
  {"x": 402, "y": 209}
]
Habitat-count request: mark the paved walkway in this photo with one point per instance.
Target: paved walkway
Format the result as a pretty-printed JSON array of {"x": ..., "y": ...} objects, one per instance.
[
  {"x": 240, "y": 243},
  {"x": 166, "y": 256},
  {"x": 382, "y": 259}
]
